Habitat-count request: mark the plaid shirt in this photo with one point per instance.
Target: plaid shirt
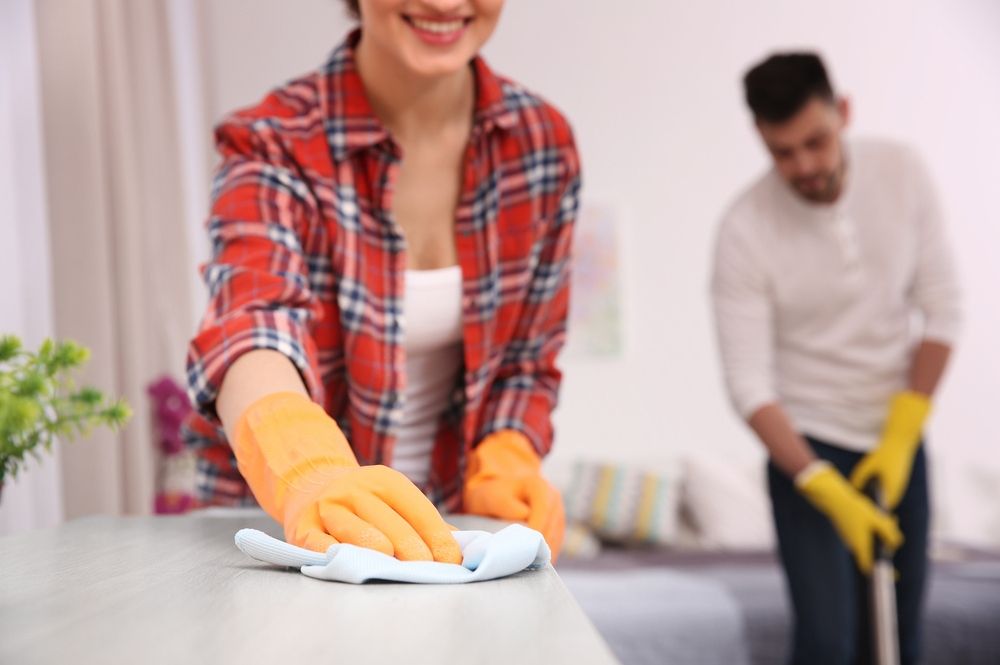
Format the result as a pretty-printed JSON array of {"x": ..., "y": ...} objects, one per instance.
[{"x": 307, "y": 260}]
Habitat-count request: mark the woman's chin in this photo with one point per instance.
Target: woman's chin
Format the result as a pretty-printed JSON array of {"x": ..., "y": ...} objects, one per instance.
[{"x": 438, "y": 65}]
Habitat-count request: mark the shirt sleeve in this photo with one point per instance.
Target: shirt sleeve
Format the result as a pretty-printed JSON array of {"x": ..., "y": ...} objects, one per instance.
[
  {"x": 935, "y": 290},
  {"x": 526, "y": 388},
  {"x": 744, "y": 323},
  {"x": 257, "y": 277}
]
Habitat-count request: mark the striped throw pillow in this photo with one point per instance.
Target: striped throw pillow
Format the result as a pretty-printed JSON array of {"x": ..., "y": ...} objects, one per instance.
[{"x": 624, "y": 505}]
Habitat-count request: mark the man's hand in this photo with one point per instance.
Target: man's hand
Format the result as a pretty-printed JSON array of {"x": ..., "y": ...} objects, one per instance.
[
  {"x": 892, "y": 461},
  {"x": 855, "y": 517}
]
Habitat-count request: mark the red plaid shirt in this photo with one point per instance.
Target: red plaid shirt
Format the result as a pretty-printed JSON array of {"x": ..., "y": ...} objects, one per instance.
[{"x": 307, "y": 260}]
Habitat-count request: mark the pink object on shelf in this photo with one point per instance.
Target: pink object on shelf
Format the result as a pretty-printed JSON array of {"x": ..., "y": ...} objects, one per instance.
[
  {"x": 172, "y": 504},
  {"x": 171, "y": 407},
  {"x": 175, "y": 477}
]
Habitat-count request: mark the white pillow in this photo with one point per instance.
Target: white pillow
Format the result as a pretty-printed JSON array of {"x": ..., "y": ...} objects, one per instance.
[
  {"x": 727, "y": 503},
  {"x": 966, "y": 502}
]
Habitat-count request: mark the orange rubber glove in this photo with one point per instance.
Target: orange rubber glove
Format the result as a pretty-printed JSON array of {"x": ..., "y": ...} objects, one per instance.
[
  {"x": 505, "y": 481},
  {"x": 855, "y": 517},
  {"x": 303, "y": 473},
  {"x": 892, "y": 461}
]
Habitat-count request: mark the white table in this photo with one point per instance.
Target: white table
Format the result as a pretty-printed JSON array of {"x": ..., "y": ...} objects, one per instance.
[{"x": 176, "y": 590}]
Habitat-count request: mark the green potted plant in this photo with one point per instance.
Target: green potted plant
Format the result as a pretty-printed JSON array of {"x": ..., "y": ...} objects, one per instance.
[{"x": 39, "y": 402}]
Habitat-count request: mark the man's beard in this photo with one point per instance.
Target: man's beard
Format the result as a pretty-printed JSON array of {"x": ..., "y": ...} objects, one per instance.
[{"x": 829, "y": 189}]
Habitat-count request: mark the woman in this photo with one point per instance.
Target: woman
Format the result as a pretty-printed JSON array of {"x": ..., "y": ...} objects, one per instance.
[{"x": 390, "y": 269}]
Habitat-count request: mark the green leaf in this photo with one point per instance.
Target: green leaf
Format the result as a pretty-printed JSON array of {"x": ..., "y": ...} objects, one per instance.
[
  {"x": 89, "y": 396},
  {"x": 10, "y": 345},
  {"x": 39, "y": 401},
  {"x": 68, "y": 355},
  {"x": 45, "y": 352},
  {"x": 118, "y": 413},
  {"x": 31, "y": 385}
]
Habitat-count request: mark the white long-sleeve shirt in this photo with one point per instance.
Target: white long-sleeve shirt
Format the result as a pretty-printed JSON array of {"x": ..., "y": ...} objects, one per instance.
[{"x": 819, "y": 307}]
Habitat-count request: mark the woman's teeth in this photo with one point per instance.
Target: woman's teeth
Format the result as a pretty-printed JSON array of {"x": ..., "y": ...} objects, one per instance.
[{"x": 438, "y": 27}]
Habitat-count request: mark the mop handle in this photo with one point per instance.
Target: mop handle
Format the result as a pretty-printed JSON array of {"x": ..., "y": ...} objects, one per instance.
[
  {"x": 874, "y": 492},
  {"x": 882, "y": 595}
]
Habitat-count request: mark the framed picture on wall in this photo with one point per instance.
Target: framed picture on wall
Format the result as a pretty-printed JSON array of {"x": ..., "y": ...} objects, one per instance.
[{"x": 595, "y": 319}]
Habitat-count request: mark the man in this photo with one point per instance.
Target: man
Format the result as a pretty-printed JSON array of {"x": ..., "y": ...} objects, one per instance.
[{"x": 820, "y": 268}]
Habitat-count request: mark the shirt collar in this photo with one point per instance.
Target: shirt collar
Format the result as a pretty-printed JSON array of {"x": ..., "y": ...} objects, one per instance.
[{"x": 351, "y": 123}]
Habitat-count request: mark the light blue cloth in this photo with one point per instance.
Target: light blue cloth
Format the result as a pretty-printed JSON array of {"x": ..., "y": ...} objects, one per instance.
[{"x": 485, "y": 556}]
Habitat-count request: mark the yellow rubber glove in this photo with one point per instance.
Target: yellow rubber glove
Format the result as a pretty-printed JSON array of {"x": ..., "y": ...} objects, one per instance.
[
  {"x": 505, "y": 481},
  {"x": 856, "y": 518},
  {"x": 892, "y": 461},
  {"x": 303, "y": 473}
]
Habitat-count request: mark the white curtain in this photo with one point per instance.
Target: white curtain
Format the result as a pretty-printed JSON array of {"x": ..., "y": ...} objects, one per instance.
[
  {"x": 119, "y": 256},
  {"x": 34, "y": 499}
]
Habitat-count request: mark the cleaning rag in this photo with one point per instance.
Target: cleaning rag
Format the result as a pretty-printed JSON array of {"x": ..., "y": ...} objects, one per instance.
[{"x": 485, "y": 556}]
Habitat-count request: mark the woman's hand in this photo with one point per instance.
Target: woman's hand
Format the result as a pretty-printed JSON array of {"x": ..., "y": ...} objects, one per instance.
[
  {"x": 505, "y": 481},
  {"x": 303, "y": 473}
]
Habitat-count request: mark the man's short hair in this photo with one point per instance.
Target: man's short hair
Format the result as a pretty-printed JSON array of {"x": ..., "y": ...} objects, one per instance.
[
  {"x": 353, "y": 8},
  {"x": 777, "y": 88}
]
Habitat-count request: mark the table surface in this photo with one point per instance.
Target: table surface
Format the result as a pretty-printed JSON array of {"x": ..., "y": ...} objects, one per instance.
[{"x": 176, "y": 590}]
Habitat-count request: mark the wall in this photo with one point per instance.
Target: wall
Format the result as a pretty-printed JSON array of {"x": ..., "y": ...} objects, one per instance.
[{"x": 652, "y": 90}]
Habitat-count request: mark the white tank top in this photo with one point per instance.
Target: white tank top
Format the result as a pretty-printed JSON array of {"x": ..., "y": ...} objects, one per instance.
[{"x": 432, "y": 307}]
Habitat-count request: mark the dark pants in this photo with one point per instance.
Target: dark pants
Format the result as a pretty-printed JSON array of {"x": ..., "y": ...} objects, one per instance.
[{"x": 828, "y": 594}]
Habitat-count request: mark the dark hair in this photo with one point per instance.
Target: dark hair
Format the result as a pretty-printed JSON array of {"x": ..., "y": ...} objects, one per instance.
[
  {"x": 352, "y": 8},
  {"x": 777, "y": 88}
]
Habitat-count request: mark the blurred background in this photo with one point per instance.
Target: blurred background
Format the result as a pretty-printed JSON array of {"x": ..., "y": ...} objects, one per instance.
[{"x": 106, "y": 112}]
